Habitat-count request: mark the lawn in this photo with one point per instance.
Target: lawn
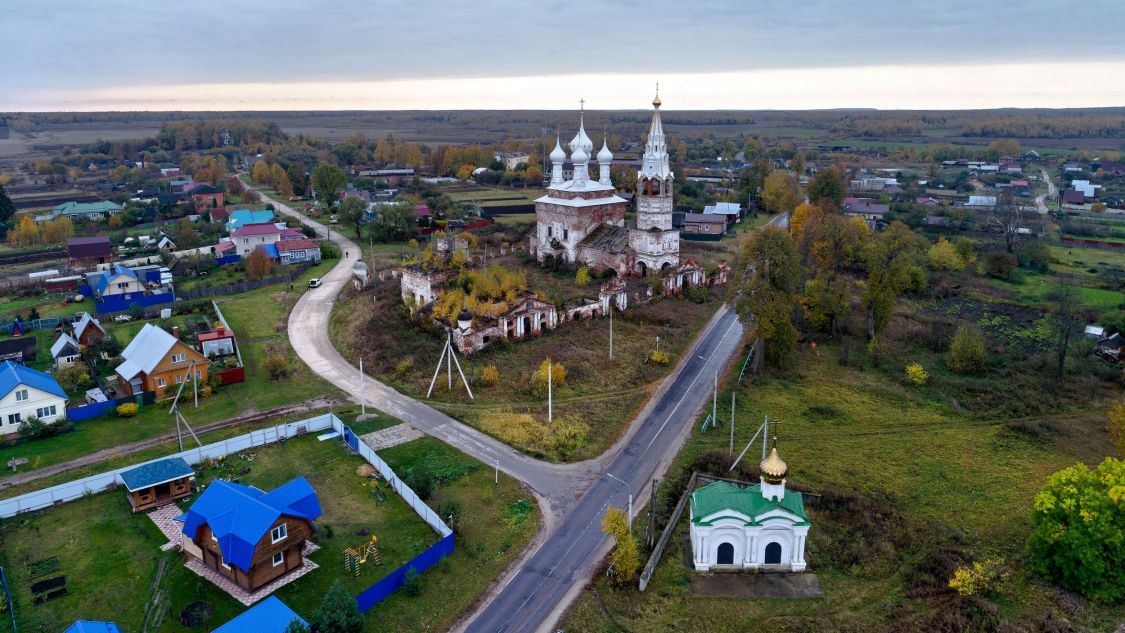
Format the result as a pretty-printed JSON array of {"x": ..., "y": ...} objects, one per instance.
[
  {"x": 82, "y": 534},
  {"x": 916, "y": 473},
  {"x": 258, "y": 319}
]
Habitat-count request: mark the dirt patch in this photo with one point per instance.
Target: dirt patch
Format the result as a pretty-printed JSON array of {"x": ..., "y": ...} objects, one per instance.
[{"x": 752, "y": 585}]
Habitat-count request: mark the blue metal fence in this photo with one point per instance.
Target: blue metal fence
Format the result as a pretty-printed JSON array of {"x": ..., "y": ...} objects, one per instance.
[{"x": 394, "y": 581}]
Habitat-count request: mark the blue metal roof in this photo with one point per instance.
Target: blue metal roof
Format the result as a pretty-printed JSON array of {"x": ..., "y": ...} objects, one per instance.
[
  {"x": 117, "y": 269},
  {"x": 268, "y": 616},
  {"x": 245, "y": 216},
  {"x": 13, "y": 375},
  {"x": 240, "y": 515},
  {"x": 271, "y": 250},
  {"x": 92, "y": 626},
  {"x": 156, "y": 472}
]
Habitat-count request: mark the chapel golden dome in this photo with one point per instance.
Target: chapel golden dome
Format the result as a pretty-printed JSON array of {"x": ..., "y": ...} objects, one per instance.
[
  {"x": 656, "y": 101},
  {"x": 773, "y": 468}
]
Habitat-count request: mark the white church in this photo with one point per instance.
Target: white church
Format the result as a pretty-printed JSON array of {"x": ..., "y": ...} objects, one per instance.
[{"x": 759, "y": 527}]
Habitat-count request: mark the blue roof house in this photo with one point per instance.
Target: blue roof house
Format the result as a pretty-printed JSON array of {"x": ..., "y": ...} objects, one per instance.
[
  {"x": 92, "y": 626},
  {"x": 248, "y": 536},
  {"x": 26, "y": 393},
  {"x": 268, "y": 616},
  {"x": 119, "y": 280},
  {"x": 240, "y": 217}
]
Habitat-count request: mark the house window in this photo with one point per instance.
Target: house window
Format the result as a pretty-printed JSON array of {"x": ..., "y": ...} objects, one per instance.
[
  {"x": 199, "y": 374},
  {"x": 566, "y": 234},
  {"x": 245, "y": 240},
  {"x": 159, "y": 382},
  {"x": 278, "y": 533},
  {"x": 21, "y": 395},
  {"x": 14, "y": 418},
  {"x": 548, "y": 231},
  {"x": 179, "y": 379},
  {"x": 178, "y": 358},
  {"x": 45, "y": 412},
  {"x": 278, "y": 558}
]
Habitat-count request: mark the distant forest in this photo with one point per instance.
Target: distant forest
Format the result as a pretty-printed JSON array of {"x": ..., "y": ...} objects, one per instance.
[{"x": 1098, "y": 123}]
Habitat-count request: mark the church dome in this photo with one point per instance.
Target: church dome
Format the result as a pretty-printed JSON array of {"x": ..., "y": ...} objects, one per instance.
[
  {"x": 579, "y": 156},
  {"x": 558, "y": 155},
  {"x": 773, "y": 468},
  {"x": 604, "y": 155}
]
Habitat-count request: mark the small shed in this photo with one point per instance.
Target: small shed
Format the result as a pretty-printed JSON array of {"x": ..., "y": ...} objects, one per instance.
[
  {"x": 92, "y": 626},
  {"x": 158, "y": 483},
  {"x": 219, "y": 342},
  {"x": 268, "y": 616}
]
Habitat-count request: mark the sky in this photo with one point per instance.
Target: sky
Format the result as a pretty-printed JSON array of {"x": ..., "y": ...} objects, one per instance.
[{"x": 445, "y": 54}]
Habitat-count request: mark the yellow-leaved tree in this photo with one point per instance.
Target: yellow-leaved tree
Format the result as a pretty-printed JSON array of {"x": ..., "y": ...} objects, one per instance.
[{"x": 625, "y": 557}]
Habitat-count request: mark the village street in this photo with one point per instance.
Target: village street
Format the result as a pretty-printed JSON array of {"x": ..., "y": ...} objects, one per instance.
[{"x": 539, "y": 587}]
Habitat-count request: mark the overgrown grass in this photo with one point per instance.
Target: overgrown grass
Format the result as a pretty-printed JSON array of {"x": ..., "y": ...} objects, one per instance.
[{"x": 905, "y": 478}]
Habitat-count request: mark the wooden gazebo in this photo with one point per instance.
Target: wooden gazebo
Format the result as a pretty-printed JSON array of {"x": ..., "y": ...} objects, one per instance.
[{"x": 158, "y": 483}]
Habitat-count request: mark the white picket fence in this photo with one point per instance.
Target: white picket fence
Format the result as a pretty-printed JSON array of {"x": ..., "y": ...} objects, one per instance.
[
  {"x": 428, "y": 515},
  {"x": 109, "y": 480}
]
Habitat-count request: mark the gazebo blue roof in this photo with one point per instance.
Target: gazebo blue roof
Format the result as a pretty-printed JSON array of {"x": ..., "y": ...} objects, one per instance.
[
  {"x": 158, "y": 472},
  {"x": 268, "y": 616}
]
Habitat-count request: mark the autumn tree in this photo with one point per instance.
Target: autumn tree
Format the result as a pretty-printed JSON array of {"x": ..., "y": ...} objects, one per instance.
[
  {"x": 258, "y": 264},
  {"x": 768, "y": 292},
  {"x": 779, "y": 193},
  {"x": 827, "y": 188},
  {"x": 327, "y": 181},
  {"x": 1064, "y": 319},
  {"x": 393, "y": 222},
  {"x": 280, "y": 180},
  {"x": 26, "y": 233},
  {"x": 625, "y": 557},
  {"x": 115, "y": 222},
  {"x": 261, "y": 172},
  {"x": 892, "y": 264},
  {"x": 353, "y": 211},
  {"x": 828, "y": 241},
  {"x": 533, "y": 176},
  {"x": 59, "y": 230},
  {"x": 943, "y": 255},
  {"x": 185, "y": 236}
]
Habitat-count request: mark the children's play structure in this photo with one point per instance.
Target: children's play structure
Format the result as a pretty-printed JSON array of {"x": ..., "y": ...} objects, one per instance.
[{"x": 354, "y": 557}]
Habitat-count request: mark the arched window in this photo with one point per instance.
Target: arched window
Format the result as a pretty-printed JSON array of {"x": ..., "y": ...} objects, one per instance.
[
  {"x": 725, "y": 555},
  {"x": 773, "y": 553}
]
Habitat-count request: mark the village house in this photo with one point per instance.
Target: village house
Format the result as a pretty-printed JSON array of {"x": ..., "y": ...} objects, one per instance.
[
  {"x": 297, "y": 251},
  {"x": 268, "y": 616},
  {"x": 158, "y": 361},
  {"x": 762, "y": 526},
  {"x": 158, "y": 483},
  {"x": 241, "y": 217},
  {"x": 865, "y": 208},
  {"x": 26, "y": 393},
  {"x": 249, "y": 536},
  {"x": 207, "y": 197},
  {"x": 703, "y": 224},
  {"x": 250, "y": 236},
  {"x": 85, "y": 253},
  {"x": 66, "y": 351},
  {"x": 511, "y": 160},
  {"x": 731, "y": 211},
  {"x": 88, "y": 330},
  {"x": 85, "y": 211},
  {"x": 118, "y": 280}
]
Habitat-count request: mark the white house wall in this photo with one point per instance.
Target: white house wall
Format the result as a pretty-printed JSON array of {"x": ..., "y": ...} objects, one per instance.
[{"x": 26, "y": 408}]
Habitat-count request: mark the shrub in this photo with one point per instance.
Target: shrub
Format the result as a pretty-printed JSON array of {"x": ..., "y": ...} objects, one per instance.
[
  {"x": 582, "y": 277},
  {"x": 490, "y": 376},
  {"x": 196, "y": 614},
  {"x": 403, "y": 367},
  {"x": 625, "y": 557},
  {"x": 35, "y": 429},
  {"x": 338, "y": 612},
  {"x": 557, "y": 372},
  {"x": 1078, "y": 530},
  {"x": 74, "y": 377},
  {"x": 214, "y": 382},
  {"x": 697, "y": 294},
  {"x": 450, "y": 510},
  {"x": 980, "y": 577},
  {"x": 1035, "y": 255},
  {"x": 127, "y": 410},
  {"x": 916, "y": 374},
  {"x": 966, "y": 351},
  {"x": 561, "y": 438},
  {"x": 276, "y": 365},
  {"x": 660, "y": 357},
  {"x": 1001, "y": 265},
  {"x": 420, "y": 479},
  {"x": 412, "y": 583},
  {"x": 944, "y": 256}
]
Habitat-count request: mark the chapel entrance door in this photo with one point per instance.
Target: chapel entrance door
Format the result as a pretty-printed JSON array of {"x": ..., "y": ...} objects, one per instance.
[
  {"x": 773, "y": 553},
  {"x": 725, "y": 554}
]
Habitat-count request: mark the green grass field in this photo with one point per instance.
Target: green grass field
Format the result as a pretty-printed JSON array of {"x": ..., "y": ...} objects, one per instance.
[{"x": 846, "y": 430}]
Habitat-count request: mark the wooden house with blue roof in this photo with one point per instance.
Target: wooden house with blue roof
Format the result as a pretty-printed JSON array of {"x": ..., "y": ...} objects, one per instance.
[
  {"x": 158, "y": 483},
  {"x": 250, "y": 536},
  {"x": 761, "y": 526},
  {"x": 268, "y": 616}
]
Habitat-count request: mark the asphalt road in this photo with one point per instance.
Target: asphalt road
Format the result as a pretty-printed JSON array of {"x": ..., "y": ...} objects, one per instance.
[
  {"x": 539, "y": 587},
  {"x": 537, "y": 594}
]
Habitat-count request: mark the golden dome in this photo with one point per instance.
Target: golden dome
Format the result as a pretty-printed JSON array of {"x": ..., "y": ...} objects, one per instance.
[
  {"x": 656, "y": 101},
  {"x": 773, "y": 467}
]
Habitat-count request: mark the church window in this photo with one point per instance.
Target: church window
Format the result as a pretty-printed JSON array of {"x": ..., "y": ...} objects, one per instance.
[
  {"x": 773, "y": 553},
  {"x": 549, "y": 232},
  {"x": 566, "y": 234}
]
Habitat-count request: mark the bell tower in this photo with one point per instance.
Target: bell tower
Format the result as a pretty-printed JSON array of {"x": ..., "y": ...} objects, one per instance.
[{"x": 654, "y": 180}]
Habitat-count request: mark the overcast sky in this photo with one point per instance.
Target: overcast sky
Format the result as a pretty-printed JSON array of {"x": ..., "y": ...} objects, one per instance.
[{"x": 378, "y": 54}]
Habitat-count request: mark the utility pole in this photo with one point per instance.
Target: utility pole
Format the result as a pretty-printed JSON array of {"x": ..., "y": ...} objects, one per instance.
[
  {"x": 611, "y": 327},
  {"x": 730, "y": 451},
  {"x": 630, "y": 512},
  {"x": 765, "y": 436},
  {"x": 715, "y": 401},
  {"x": 550, "y": 379},
  {"x": 497, "y": 481},
  {"x": 362, "y": 398},
  {"x": 652, "y": 514}
]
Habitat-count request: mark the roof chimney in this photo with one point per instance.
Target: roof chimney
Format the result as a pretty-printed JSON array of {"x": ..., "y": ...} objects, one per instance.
[{"x": 176, "y": 331}]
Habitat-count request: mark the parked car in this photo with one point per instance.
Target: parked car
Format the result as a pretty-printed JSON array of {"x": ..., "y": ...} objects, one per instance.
[
  {"x": 123, "y": 317},
  {"x": 314, "y": 282}
]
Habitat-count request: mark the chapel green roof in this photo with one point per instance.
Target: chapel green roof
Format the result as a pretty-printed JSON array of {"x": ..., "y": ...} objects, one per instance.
[{"x": 723, "y": 495}]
